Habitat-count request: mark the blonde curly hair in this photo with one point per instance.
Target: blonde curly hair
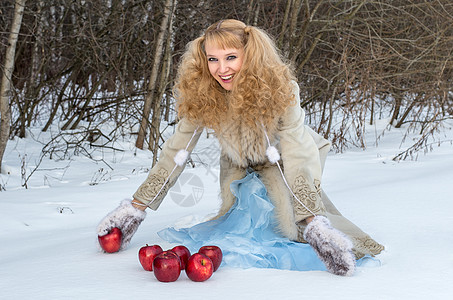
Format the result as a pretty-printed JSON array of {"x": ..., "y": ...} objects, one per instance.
[{"x": 262, "y": 89}]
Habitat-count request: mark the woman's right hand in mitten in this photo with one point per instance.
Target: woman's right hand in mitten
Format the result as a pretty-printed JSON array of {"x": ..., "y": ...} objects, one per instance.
[{"x": 126, "y": 217}]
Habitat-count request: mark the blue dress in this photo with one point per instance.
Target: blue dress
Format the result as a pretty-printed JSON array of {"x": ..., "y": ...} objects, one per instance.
[{"x": 246, "y": 233}]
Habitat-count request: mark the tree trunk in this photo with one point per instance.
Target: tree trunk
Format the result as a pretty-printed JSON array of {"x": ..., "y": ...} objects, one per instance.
[
  {"x": 33, "y": 86},
  {"x": 303, "y": 32},
  {"x": 295, "y": 10},
  {"x": 284, "y": 24},
  {"x": 5, "y": 88},
  {"x": 373, "y": 100},
  {"x": 407, "y": 111},
  {"x": 250, "y": 10},
  {"x": 396, "y": 110},
  {"x": 329, "y": 124},
  {"x": 165, "y": 74},
  {"x": 151, "y": 93}
]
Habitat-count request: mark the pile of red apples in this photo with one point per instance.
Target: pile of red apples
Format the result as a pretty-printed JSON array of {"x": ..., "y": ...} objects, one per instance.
[{"x": 167, "y": 265}]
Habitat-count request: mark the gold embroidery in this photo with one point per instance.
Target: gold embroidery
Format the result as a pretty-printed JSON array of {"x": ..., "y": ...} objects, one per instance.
[
  {"x": 149, "y": 189},
  {"x": 365, "y": 245},
  {"x": 317, "y": 184},
  {"x": 309, "y": 196}
]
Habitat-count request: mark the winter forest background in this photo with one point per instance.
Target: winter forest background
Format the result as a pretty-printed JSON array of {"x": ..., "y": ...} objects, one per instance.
[
  {"x": 86, "y": 103},
  {"x": 81, "y": 64}
]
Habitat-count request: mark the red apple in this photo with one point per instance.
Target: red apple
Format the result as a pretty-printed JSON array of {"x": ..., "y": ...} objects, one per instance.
[
  {"x": 111, "y": 242},
  {"x": 167, "y": 266},
  {"x": 146, "y": 255},
  {"x": 199, "y": 267},
  {"x": 214, "y": 253},
  {"x": 183, "y": 254}
]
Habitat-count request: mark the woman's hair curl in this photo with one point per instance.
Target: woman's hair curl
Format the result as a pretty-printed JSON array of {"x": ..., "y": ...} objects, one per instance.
[{"x": 262, "y": 89}]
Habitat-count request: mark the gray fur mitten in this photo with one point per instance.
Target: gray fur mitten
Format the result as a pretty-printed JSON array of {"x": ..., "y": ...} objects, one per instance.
[
  {"x": 126, "y": 217},
  {"x": 331, "y": 245}
]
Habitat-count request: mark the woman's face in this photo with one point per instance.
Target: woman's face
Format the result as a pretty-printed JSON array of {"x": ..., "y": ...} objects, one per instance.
[{"x": 224, "y": 64}]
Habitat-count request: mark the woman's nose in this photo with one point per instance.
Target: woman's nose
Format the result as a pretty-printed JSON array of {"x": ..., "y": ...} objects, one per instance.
[{"x": 223, "y": 67}]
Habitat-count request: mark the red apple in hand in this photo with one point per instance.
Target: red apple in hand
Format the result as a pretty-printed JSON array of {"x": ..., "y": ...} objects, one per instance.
[
  {"x": 183, "y": 254},
  {"x": 167, "y": 266},
  {"x": 146, "y": 256},
  {"x": 111, "y": 242},
  {"x": 199, "y": 267},
  {"x": 214, "y": 253}
]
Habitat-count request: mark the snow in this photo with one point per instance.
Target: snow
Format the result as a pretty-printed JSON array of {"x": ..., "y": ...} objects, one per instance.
[{"x": 48, "y": 244}]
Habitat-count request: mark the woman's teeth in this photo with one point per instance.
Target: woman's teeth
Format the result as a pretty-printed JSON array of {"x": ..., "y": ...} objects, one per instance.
[{"x": 226, "y": 77}]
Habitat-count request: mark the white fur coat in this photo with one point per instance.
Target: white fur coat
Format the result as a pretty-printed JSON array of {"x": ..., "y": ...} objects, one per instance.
[{"x": 302, "y": 152}]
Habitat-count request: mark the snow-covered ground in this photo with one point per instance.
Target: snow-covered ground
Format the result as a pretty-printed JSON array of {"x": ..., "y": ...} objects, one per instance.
[{"x": 48, "y": 245}]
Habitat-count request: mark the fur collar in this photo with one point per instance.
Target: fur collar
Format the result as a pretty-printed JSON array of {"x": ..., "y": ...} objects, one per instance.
[{"x": 245, "y": 145}]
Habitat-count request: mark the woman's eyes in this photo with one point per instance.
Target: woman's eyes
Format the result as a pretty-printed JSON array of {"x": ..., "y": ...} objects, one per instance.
[{"x": 231, "y": 57}]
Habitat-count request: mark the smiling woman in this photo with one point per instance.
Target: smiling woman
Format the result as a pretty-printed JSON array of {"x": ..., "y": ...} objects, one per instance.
[
  {"x": 233, "y": 80},
  {"x": 224, "y": 64},
  {"x": 262, "y": 83}
]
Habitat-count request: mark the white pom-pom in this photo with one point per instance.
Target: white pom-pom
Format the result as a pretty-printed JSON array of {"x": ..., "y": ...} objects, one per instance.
[
  {"x": 272, "y": 154},
  {"x": 181, "y": 157}
]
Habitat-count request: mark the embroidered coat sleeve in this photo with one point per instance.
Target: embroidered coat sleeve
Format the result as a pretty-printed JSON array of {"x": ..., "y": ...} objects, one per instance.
[
  {"x": 165, "y": 173},
  {"x": 301, "y": 162}
]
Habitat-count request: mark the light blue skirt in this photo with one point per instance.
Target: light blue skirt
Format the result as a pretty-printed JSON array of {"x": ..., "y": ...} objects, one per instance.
[{"x": 246, "y": 234}]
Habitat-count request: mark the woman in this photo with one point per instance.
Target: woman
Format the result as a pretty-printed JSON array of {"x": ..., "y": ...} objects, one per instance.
[{"x": 233, "y": 80}]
